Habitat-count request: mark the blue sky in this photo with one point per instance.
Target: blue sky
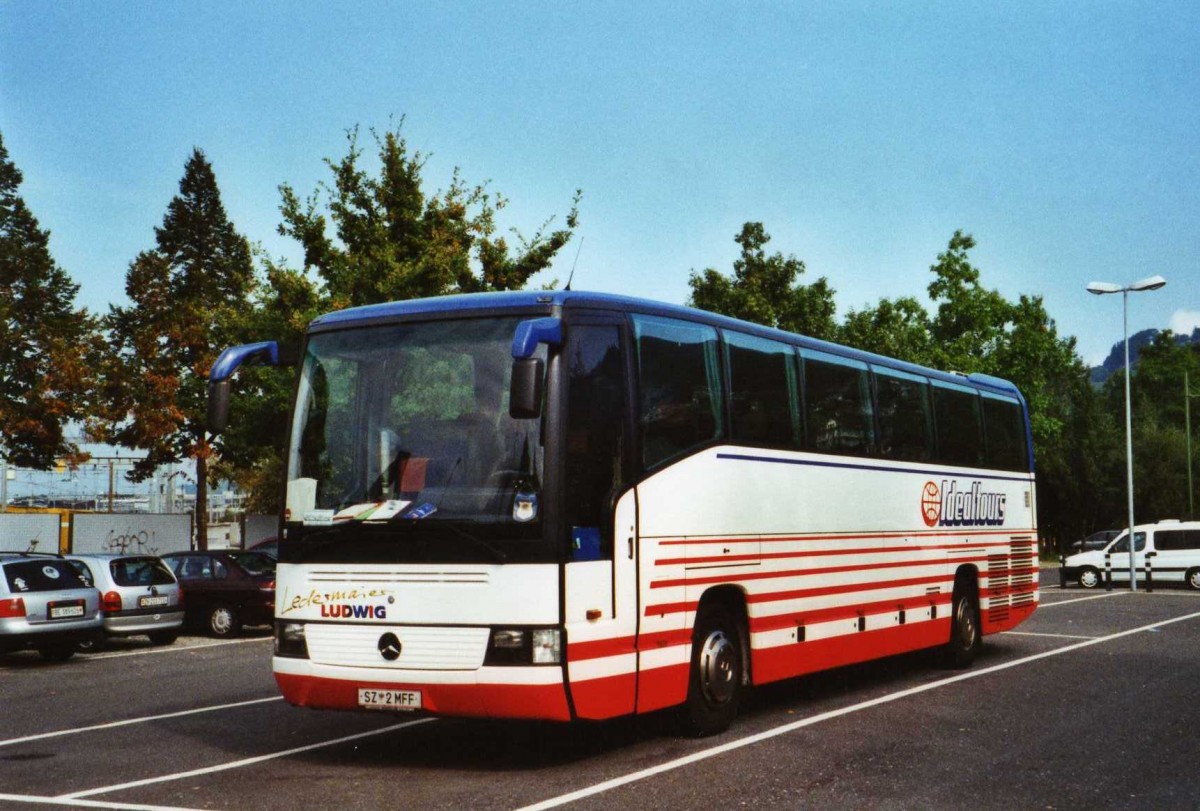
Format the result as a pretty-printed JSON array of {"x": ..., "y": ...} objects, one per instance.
[{"x": 1064, "y": 136}]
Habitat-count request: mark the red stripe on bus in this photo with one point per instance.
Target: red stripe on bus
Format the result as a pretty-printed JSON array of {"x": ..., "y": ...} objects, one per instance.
[
  {"x": 605, "y": 697},
  {"x": 600, "y": 648},
  {"x": 800, "y": 658},
  {"x": 880, "y": 535},
  {"x": 662, "y": 687},
  {"x": 794, "y": 619},
  {"x": 815, "y": 553},
  {"x": 737, "y": 577}
]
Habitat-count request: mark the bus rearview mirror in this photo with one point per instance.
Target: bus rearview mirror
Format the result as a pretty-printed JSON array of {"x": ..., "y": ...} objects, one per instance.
[
  {"x": 218, "y": 405},
  {"x": 525, "y": 394}
]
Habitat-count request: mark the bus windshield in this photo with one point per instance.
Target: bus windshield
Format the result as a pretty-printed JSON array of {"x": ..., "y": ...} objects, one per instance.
[{"x": 403, "y": 425}]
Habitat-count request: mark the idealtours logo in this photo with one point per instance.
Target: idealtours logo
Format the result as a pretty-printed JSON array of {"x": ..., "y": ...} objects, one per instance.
[{"x": 948, "y": 506}]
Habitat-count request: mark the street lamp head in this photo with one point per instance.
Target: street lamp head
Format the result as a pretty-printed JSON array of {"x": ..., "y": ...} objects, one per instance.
[
  {"x": 1100, "y": 288},
  {"x": 1152, "y": 283}
]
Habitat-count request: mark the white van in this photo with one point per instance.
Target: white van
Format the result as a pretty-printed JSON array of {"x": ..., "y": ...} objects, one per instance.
[{"x": 1172, "y": 548}]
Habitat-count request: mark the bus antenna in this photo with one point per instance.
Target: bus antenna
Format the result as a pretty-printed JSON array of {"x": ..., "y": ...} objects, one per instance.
[{"x": 573, "y": 264}]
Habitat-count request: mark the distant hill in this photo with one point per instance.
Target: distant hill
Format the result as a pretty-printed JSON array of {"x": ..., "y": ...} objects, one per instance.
[{"x": 1116, "y": 358}]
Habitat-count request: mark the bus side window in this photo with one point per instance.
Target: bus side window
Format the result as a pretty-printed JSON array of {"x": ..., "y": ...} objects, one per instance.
[
  {"x": 1004, "y": 428},
  {"x": 679, "y": 375},
  {"x": 838, "y": 405},
  {"x": 959, "y": 435},
  {"x": 762, "y": 383},
  {"x": 905, "y": 416},
  {"x": 595, "y": 437}
]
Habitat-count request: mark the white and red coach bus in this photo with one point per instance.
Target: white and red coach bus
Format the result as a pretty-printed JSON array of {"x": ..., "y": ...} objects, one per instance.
[{"x": 571, "y": 505}]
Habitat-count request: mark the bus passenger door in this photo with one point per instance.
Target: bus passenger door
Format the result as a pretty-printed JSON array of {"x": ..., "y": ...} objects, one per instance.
[{"x": 600, "y": 520}]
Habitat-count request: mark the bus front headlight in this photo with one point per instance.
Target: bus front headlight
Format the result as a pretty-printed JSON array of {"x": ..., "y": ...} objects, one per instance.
[
  {"x": 547, "y": 646},
  {"x": 290, "y": 640}
]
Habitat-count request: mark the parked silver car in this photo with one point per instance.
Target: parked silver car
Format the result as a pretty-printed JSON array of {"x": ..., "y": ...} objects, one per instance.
[
  {"x": 45, "y": 604},
  {"x": 138, "y": 594}
]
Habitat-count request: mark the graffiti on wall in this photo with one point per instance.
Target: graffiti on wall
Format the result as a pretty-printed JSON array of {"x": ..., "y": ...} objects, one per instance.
[{"x": 138, "y": 542}]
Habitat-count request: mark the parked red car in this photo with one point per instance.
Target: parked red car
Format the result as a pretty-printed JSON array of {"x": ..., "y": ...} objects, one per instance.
[{"x": 225, "y": 589}]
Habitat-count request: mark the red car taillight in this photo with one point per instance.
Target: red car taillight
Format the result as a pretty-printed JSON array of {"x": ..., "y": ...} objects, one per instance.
[
  {"x": 111, "y": 601},
  {"x": 12, "y": 607},
  {"x": 268, "y": 586}
]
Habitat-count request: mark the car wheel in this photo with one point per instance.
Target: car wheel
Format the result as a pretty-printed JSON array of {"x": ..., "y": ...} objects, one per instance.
[
  {"x": 163, "y": 637},
  {"x": 965, "y": 634},
  {"x": 1089, "y": 578},
  {"x": 57, "y": 653},
  {"x": 223, "y": 621},
  {"x": 1192, "y": 578},
  {"x": 715, "y": 681}
]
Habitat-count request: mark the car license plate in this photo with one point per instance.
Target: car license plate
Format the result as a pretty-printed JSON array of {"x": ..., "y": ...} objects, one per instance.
[
  {"x": 62, "y": 611},
  {"x": 389, "y": 699},
  {"x": 148, "y": 602}
]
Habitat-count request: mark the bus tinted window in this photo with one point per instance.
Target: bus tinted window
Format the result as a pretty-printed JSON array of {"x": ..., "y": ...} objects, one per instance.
[
  {"x": 595, "y": 419},
  {"x": 679, "y": 375},
  {"x": 762, "y": 381},
  {"x": 905, "y": 417},
  {"x": 956, "y": 414},
  {"x": 837, "y": 405},
  {"x": 1004, "y": 427}
]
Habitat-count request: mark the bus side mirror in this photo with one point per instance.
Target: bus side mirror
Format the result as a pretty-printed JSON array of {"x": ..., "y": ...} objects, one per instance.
[
  {"x": 525, "y": 394},
  {"x": 267, "y": 353},
  {"x": 218, "y": 405}
]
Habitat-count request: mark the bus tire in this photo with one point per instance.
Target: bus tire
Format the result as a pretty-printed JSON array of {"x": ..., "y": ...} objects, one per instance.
[
  {"x": 1192, "y": 578},
  {"x": 717, "y": 669},
  {"x": 966, "y": 636},
  {"x": 1089, "y": 577}
]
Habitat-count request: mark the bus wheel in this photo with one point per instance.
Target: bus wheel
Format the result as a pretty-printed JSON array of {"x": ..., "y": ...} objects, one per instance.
[
  {"x": 715, "y": 682},
  {"x": 1193, "y": 579},
  {"x": 965, "y": 635},
  {"x": 1089, "y": 578}
]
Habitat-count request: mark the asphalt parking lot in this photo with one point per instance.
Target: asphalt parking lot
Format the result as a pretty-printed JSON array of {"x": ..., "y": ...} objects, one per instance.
[{"x": 1092, "y": 703}]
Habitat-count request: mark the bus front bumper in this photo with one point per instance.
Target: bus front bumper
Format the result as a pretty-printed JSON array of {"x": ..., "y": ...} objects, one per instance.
[{"x": 531, "y": 692}]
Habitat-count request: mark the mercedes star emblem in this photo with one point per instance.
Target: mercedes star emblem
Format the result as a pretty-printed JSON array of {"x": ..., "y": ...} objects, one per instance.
[{"x": 389, "y": 647}]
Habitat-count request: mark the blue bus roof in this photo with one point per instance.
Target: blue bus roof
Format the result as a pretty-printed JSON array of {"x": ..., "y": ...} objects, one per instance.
[{"x": 546, "y": 301}]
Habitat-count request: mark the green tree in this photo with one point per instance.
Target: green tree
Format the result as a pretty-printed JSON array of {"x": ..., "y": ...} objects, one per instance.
[
  {"x": 45, "y": 341},
  {"x": 189, "y": 297},
  {"x": 765, "y": 289},
  {"x": 897, "y": 328},
  {"x": 392, "y": 242}
]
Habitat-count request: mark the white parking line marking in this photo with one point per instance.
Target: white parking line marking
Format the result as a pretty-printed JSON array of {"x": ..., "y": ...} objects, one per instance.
[
  {"x": 142, "y": 720},
  {"x": 1051, "y": 636},
  {"x": 177, "y": 648},
  {"x": 236, "y": 764},
  {"x": 696, "y": 757},
  {"x": 1083, "y": 599},
  {"x": 35, "y": 800}
]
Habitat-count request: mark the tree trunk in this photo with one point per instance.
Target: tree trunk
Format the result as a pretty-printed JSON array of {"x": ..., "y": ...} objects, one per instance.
[{"x": 202, "y": 502}]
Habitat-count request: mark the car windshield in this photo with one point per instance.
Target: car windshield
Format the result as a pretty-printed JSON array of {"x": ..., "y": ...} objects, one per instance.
[
  {"x": 410, "y": 421},
  {"x": 254, "y": 562}
]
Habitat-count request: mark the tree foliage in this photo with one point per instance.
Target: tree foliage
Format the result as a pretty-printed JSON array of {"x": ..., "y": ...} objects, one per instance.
[
  {"x": 766, "y": 289},
  {"x": 390, "y": 241},
  {"x": 189, "y": 296},
  {"x": 45, "y": 342}
]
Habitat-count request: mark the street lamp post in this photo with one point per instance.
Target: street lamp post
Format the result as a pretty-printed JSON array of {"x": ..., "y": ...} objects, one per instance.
[
  {"x": 1187, "y": 427},
  {"x": 1101, "y": 288}
]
